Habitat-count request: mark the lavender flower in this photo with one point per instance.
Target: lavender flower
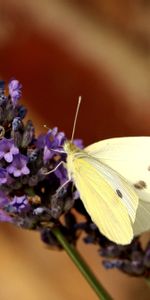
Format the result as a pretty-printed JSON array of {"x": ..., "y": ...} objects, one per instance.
[
  {"x": 3, "y": 199},
  {"x": 19, "y": 205},
  {"x": 61, "y": 173},
  {"x": 17, "y": 124},
  {"x": 14, "y": 87},
  {"x": 8, "y": 149},
  {"x": 4, "y": 217},
  {"x": 53, "y": 142},
  {"x": 19, "y": 166},
  {"x": 28, "y": 134},
  {"x": 3, "y": 176}
]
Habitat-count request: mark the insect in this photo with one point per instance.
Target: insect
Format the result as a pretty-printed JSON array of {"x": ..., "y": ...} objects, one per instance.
[{"x": 113, "y": 180}]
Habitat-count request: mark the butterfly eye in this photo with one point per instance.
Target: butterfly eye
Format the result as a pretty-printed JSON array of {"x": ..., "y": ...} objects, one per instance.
[
  {"x": 140, "y": 185},
  {"x": 119, "y": 193}
]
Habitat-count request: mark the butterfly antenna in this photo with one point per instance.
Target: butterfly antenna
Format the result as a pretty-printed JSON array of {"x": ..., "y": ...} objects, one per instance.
[{"x": 75, "y": 119}]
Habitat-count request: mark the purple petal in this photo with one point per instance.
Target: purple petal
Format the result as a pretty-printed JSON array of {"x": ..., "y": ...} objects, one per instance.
[
  {"x": 25, "y": 170},
  {"x": 47, "y": 154},
  {"x": 3, "y": 176},
  {"x": 17, "y": 173},
  {"x": 3, "y": 180},
  {"x": 10, "y": 169},
  {"x": 8, "y": 157},
  {"x": 78, "y": 143},
  {"x": 3, "y": 199},
  {"x": 53, "y": 131},
  {"x": 40, "y": 143},
  {"x": 60, "y": 138},
  {"x": 14, "y": 150},
  {"x": 4, "y": 217},
  {"x": 14, "y": 87},
  {"x": 1, "y": 154}
]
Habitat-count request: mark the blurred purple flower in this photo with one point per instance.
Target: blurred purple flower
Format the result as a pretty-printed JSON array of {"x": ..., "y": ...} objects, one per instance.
[
  {"x": 4, "y": 217},
  {"x": 3, "y": 199},
  {"x": 61, "y": 173},
  {"x": 19, "y": 166},
  {"x": 78, "y": 143},
  {"x": 47, "y": 154},
  {"x": 17, "y": 124},
  {"x": 14, "y": 87},
  {"x": 3, "y": 176},
  {"x": 40, "y": 142},
  {"x": 19, "y": 204},
  {"x": 8, "y": 149}
]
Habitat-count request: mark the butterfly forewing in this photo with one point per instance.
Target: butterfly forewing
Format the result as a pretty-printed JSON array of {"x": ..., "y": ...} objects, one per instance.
[
  {"x": 101, "y": 199},
  {"x": 119, "y": 185}
]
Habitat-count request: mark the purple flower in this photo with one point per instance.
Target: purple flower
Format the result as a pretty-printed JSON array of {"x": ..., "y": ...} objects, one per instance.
[
  {"x": 4, "y": 217},
  {"x": 53, "y": 141},
  {"x": 19, "y": 204},
  {"x": 41, "y": 140},
  {"x": 3, "y": 176},
  {"x": 61, "y": 173},
  {"x": 14, "y": 87},
  {"x": 19, "y": 166},
  {"x": 8, "y": 149},
  {"x": 78, "y": 143},
  {"x": 46, "y": 139},
  {"x": 47, "y": 154},
  {"x": 3, "y": 199},
  {"x": 17, "y": 124}
]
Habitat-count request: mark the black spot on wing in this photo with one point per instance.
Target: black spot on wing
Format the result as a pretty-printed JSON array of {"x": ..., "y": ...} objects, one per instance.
[
  {"x": 140, "y": 185},
  {"x": 119, "y": 193}
]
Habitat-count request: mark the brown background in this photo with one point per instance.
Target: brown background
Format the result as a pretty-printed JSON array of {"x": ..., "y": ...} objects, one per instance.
[{"x": 60, "y": 50}]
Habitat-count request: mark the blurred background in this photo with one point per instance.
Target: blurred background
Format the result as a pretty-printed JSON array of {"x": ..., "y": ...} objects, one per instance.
[{"x": 60, "y": 49}]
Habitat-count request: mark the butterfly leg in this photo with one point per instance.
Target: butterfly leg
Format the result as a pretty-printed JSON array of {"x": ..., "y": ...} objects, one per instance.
[
  {"x": 63, "y": 185},
  {"x": 66, "y": 182},
  {"x": 60, "y": 163}
]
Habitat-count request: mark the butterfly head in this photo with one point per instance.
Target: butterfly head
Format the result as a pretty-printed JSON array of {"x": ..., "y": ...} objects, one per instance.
[{"x": 69, "y": 147}]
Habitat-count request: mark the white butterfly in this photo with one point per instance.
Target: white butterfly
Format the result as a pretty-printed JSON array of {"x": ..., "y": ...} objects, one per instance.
[
  {"x": 111, "y": 176},
  {"x": 113, "y": 179}
]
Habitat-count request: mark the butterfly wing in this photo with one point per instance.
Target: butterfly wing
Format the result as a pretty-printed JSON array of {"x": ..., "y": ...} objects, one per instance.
[
  {"x": 142, "y": 221},
  {"x": 130, "y": 157},
  {"x": 101, "y": 200}
]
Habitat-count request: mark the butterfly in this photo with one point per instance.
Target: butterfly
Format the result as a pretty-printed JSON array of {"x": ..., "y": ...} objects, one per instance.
[{"x": 113, "y": 179}]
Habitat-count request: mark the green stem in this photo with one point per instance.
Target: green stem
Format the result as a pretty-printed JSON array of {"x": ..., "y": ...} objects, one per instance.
[{"x": 82, "y": 266}]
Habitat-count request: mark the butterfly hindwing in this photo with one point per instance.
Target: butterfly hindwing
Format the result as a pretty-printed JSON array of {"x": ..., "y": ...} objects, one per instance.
[
  {"x": 130, "y": 157},
  {"x": 142, "y": 221}
]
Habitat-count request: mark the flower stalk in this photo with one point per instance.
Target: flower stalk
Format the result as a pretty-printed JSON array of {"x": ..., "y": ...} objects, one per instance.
[{"x": 82, "y": 266}]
